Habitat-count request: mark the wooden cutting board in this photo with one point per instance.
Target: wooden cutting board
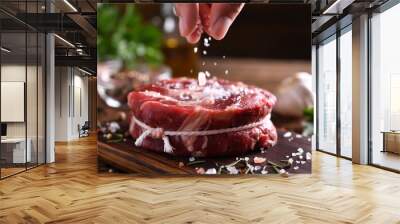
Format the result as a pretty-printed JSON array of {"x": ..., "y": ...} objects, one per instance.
[{"x": 128, "y": 158}]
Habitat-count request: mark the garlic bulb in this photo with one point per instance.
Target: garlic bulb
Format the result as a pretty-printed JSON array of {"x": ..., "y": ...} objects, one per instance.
[{"x": 294, "y": 94}]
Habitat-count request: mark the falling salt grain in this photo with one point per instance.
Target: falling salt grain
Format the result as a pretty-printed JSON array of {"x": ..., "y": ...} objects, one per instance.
[
  {"x": 191, "y": 159},
  {"x": 208, "y": 75},
  {"x": 287, "y": 156},
  {"x": 300, "y": 157},
  {"x": 211, "y": 171},
  {"x": 259, "y": 159},
  {"x": 191, "y": 71},
  {"x": 303, "y": 162},
  {"x": 298, "y": 136},
  {"x": 204, "y": 63},
  {"x": 202, "y": 78},
  {"x": 195, "y": 50},
  {"x": 223, "y": 57},
  {"x": 226, "y": 72},
  {"x": 257, "y": 168},
  {"x": 290, "y": 161},
  {"x": 294, "y": 154},
  {"x": 297, "y": 162},
  {"x": 209, "y": 38},
  {"x": 296, "y": 168},
  {"x": 308, "y": 156},
  {"x": 287, "y": 134},
  {"x": 215, "y": 63},
  {"x": 283, "y": 173},
  {"x": 181, "y": 164},
  {"x": 204, "y": 52},
  {"x": 246, "y": 158}
]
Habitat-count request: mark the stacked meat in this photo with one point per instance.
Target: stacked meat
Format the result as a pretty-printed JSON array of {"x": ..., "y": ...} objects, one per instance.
[{"x": 183, "y": 105}]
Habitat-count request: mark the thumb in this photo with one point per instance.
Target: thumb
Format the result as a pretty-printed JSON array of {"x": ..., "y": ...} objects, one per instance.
[{"x": 222, "y": 16}]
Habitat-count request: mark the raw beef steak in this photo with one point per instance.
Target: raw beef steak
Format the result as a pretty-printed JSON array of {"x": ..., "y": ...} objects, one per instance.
[{"x": 183, "y": 105}]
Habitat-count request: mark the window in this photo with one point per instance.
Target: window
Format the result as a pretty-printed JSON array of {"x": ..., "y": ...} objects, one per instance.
[
  {"x": 385, "y": 88},
  {"x": 346, "y": 92},
  {"x": 327, "y": 95}
]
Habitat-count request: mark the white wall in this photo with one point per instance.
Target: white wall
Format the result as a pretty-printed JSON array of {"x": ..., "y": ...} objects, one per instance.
[{"x": 71, "y": 94}]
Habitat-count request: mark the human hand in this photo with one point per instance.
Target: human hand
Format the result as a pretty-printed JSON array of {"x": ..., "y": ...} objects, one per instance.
[{"x": 214, "y": 19}]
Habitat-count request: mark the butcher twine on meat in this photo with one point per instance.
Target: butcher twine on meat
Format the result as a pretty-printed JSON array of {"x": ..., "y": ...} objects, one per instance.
[{"x": 160, "y": 133}]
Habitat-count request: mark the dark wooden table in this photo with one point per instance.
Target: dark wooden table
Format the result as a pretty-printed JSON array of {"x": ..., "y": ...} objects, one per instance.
[{"x": 126, "y": 157}]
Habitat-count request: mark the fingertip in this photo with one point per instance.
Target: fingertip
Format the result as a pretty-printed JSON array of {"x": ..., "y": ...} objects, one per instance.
[{"x": 219, "y": 29}]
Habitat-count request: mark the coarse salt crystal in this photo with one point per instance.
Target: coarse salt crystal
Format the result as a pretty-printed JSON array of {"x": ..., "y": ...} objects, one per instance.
[
  {"x": 191, "y": 71},
  {"x": 195, "y": 50},
  {"x": 297, "y": 162},
  {"x": 215, "y": 63},
  {"x": 287, "y": 156},
  {"x": 264, "y": 172},
  {"x": 287, "y": 134},
  {"x": 226, "y": 72},
  {"x": 223, "y": 57},
  {"x": 259, "y": 159},
  {"x": 300, "y": 157},
  {"x": 308, "y": 156},
  {"x": 294, "y": 154},
  {"x": 191, "y": 159},
  {"x": 204, "y": 52},
  {"x": 232, "y": 170},
  {"x": 257, "y": 168},
  {"x": 211, "y": 171},
  {"x": 246, "y": 158},
  {"x": 202, "y": 78},
  {"x": 290, "y": 161},
  {"x": 303, "y": 162},
  {"x": 296, "y": 168},
  {"x": 298, "y": 136},
  {"x": 204, "y": 63},
  {"x": 300, "y": 150},
  {"x": 208, "y": 74},
  {"x": 181, "y": 164}
]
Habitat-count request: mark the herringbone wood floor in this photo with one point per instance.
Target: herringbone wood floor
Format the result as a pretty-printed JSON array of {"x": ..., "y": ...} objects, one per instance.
[{"x": 71, "y": 191}]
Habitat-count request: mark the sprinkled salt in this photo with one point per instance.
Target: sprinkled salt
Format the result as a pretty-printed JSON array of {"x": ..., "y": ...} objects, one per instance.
[
  {"x": 208, "y": 74},
  {"x": 202, "y": 78},
  {"x": 300, "y": 157},
  {"x": 296, "y": 168},
  {"x": 209, "y": 38},
  {"x": 259, "y": 159},
  {"x": 308, "y": 156},
  {"x": 215, "y": 63},
  {"x": 298, "y": 136},
  {"x": 195, "y": 50},
  {"x": 206, "y": 43},
  {"x": 211, "y": 171},
  {"x": 257, "y": 168},
  {"x": 287, "y": 156},
  {"x": 300, "y": 150},
  {"x": 226, "y": 72},
  {"x": 264, "y": 171},
  {"x": 181, "y": 164},
  {"x": 283, "y": 173},
  {"x": 204, "y": 63},
  {"x": 232, "y": 170},
  {"x": 191, "y": 159},
  {"x": 297, "y": 162},
  {"x": 223, "y": 57},
  {"x": 303, "y": 162},
  {"x": 246, "y": 158},
  {"x": 290, "y": 161},
  {"x": 287, "y": 134},
  {"x": 204, "y": 52},
  {"x": 191, "y": 71},
  {"x": 294, "y": 154}
]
